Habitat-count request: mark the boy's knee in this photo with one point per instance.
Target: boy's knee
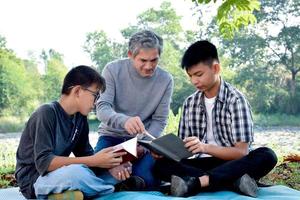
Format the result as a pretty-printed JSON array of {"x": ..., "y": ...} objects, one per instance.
[
  {"x": 268, "y": 155},
  {"x": 76, "y": 171}
]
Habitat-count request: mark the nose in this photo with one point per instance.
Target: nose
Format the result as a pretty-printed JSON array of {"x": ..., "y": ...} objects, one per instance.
[
  {"x": 149, "y": 65},
  {"x": 194, "y": 80}
]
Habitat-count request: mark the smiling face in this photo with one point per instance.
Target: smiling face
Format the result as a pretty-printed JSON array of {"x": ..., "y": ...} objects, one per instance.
[
  {"x": 205, "y": 78},
  {"x": 145, "y": 62}
]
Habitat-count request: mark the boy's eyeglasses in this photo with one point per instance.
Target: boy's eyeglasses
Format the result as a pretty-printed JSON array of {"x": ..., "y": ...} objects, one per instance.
[{"x": 95, "y": 94}]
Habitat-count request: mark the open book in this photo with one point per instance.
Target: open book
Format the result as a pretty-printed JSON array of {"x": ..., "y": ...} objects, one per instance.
[
  {"x": 128, "y": 146},
  {"x": 169, "y": 146}
]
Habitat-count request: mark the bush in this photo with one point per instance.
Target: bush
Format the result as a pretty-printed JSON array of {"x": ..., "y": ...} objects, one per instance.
[
  {"x": 11, "y": 124},
  {"x": 276, "y": 120}
]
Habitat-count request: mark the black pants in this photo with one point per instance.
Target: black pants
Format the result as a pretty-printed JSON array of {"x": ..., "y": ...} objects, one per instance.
[{"x": 221, "y": 173}]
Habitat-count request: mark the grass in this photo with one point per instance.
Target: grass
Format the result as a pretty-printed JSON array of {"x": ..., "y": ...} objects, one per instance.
[
  {"x": 14, "y": 124},
  {"x": 276, "y": 120},
  {"x": 8, "y": 163},
  {"x": 285, "y": 173},
  {"x": 11, "y": 124}
]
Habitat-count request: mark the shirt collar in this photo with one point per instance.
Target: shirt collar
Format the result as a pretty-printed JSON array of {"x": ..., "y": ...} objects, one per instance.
[
  {"x": 220, "y": 96},
  {"x": 222, "y": 92}
]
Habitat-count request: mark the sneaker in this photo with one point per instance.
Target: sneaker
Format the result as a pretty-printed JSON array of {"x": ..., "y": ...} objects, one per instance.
[
  {"x": 184, "y": 186},
  {"x": 133, "y": 183},
  {"x": 165, "y": 188},
  {"x": 67, "y": 195},
  {"x": 246, "y": 185}
]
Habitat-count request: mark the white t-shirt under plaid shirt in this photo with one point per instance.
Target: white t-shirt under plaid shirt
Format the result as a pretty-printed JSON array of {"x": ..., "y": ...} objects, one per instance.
[{"x": 231, "y": 117}]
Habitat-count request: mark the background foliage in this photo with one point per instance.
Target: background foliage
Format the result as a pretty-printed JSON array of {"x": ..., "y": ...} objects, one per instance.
[
  {"x": 261, "y": 59},
  {"x": 259, "y": 47}
]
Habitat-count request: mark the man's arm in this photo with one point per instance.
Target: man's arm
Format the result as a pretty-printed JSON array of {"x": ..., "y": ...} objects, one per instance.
[
  {"x": 183, "y": 130},
  {"x": 104, "y": 107},
  {"x": 239, "y": 150},
  {"x": 241, "y": 121},
  {"x": 241, "y": 130},
  {"x": 160, "y": 117}
]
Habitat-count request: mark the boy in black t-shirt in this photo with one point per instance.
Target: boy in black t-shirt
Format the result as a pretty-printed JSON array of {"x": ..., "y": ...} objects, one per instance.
[{"x": 56, "y": 130}]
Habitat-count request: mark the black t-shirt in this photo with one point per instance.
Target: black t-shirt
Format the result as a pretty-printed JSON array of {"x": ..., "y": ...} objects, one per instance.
[{"x": 49, "y": 132}]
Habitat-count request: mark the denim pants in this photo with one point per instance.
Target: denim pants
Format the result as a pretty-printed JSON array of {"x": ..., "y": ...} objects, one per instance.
[
  {"x": 74, "y": 177},
  {"x": 222, "y": 173},
  {"x": 141, "y": 167}
]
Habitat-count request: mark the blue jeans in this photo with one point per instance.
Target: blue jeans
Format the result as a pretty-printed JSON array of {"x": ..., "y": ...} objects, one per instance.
[
  {"x": 74, "y": 177},
  {"x": 141, "y": 167}
]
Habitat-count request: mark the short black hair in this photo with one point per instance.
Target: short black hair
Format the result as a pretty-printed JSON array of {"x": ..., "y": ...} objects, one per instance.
[
  {"x": 84, "y": 76},
  {"x": 201, "y": 51}
]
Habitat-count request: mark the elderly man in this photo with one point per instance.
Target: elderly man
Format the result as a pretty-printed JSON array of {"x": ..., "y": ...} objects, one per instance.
[{"x": 136, "y": 100}]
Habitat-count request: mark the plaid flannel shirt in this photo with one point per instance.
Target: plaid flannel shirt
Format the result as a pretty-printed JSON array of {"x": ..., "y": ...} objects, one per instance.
[{"x": 232, "y": 118}]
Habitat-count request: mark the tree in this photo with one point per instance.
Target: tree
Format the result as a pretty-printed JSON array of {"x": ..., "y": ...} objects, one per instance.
[
  {"x": 233, "y": 14},
  {"x": 268, "y": 62},
  {"x": 15, "y": 86},
  {"x": 2, "y": 42},
  {"x": 55, "y": 73},
  {"x": 165, "y": 22},
  {"x": 102, "y": 49},
  {"x": 284, "y": 45}
]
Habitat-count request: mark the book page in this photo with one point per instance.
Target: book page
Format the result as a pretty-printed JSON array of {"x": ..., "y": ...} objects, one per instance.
[{"x": 129, "y": 146}]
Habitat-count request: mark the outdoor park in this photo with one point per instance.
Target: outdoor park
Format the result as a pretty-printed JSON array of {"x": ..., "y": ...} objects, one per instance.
[{"x": 259, "y": 45}]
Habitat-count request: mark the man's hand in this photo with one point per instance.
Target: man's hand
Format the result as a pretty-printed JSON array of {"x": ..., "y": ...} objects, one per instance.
[
  {"x": 194, "y": 145},
  {"x": 121, "y": 172},
  {"x": 134, "y": 125},
  {"x": 107, "y": 158}
]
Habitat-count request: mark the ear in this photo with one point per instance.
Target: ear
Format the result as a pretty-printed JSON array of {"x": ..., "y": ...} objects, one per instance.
[
  {"x": 76, "y": 90},
  {"x": 216, "y": 68},
  {"x": 130, "y": 55}
]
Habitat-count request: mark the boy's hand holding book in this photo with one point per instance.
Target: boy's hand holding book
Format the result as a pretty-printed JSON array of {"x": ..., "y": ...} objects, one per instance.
[
  {"x": 107, "y": 158},
  {"x": 194, "y": 145},
  {"x": 130, "y": 147}
]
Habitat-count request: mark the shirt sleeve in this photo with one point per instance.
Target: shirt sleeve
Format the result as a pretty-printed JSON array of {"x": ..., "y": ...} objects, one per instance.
[
  {"x": 83, "y": 147},
  {"x": 183, "y": 130},
  {"x": 242, "y": 123},
  {"x": 160, "y": 117},
  {"x": 44, "y": 139},
  {"x": 104, "y": 106}
]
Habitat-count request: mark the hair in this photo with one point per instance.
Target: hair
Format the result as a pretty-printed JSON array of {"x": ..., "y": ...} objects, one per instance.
[
  {"x": 145, "y": 39},
  {"x": 200, "y": 52},
  {"x": 84, "y": 76}
]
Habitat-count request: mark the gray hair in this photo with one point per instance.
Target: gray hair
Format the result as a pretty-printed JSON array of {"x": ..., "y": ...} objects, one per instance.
[{"x": 145, "y": 40}]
